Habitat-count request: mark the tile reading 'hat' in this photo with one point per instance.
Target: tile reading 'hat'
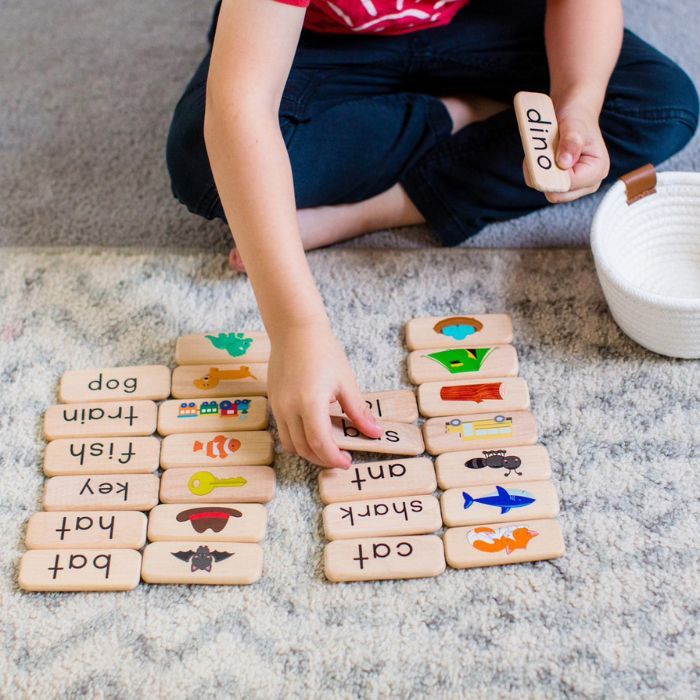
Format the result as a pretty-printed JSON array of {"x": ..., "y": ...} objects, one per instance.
[
  {"x": 463, "y": 362},
  {"x": 115, "y": 383},
  {"x": 207, "y": 415},
  {"x": 218, "y": 449},
  {"x": 455, "y": 331}
]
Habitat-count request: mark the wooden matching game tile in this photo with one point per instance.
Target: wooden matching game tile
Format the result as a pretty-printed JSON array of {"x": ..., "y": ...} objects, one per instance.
[
  {"x": 396, "y": 438},
  {"x": 115, "y": 384},
  {"x": 218, "y": 485},
  {"x": 220, "y": 449},
  {"x": 219, "y": 380},
  {"x": 398, "y": 406},
  {"x": 209, "y": 415},
  {"x": 456, "y": 331},
  {"x": 222, "y": 347},
  {"x": 101, "y": 492}
]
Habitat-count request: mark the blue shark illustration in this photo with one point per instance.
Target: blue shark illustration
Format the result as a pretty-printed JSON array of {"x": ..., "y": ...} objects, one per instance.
[{"x": 504, "y": 499}]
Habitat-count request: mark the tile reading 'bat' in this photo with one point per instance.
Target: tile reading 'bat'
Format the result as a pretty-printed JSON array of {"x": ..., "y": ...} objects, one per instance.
[
  {"x": 216, "y": 449},
  {"x": 208, "y": 415},
  {"x": 219, "y": 380},
  {"x": 218, "y": 485},
  {"x": 396, "y": 438},
  {"x": 101, "y": 492},
  {"x": 223, "y": 347},
  {"x": 115, "y": 383},
  {"x": 455, "y": 331},
  {"x": 398, "y": 406}
]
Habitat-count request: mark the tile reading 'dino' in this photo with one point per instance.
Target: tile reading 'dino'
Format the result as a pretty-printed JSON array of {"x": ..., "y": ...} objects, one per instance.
[
  {"x": 396, "y": 438},
  {"x": 224, "y": 347},
  {"x": 218, "y": 485},
  {"x": 224, "y": 449},
  {"x": 455, "y": 331},
  {"x": 208, "y": 415},
  {"x": 377, "y": 558},
  {"x": 463, "y": 362},
  {"x": 398, "y": 406},
  {"x": 216, "y": 381},
  {"x": 101, "y": 492},
  {"x": 115, "y": 383}
]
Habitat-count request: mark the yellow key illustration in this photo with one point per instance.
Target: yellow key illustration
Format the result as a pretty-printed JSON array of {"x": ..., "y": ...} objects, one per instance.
[{"x": 203, "y": 483}]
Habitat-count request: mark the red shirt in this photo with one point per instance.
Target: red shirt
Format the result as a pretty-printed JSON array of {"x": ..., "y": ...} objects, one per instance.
[{"x": 373, "y": 16}]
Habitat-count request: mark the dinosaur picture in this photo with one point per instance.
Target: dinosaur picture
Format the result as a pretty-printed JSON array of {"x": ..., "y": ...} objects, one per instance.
[{"x": 235, "y": 344}]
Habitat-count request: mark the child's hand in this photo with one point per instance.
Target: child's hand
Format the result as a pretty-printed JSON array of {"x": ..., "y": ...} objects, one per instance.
[{"x": 309, "y": 371}]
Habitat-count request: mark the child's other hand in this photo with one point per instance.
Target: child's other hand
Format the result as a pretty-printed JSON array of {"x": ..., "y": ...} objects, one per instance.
[{"x": 308, "y": 371}]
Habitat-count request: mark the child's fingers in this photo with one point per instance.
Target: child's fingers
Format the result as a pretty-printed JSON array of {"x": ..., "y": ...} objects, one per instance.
[
  {"x": 571, "y": 195},
  {"x": 571, "y": 140},
  {"x": 317, "y": 428},
  {"x": 358, "y": 412},
  {"x": 298, "y": 438},
  {"x": 283, "y": 432}
]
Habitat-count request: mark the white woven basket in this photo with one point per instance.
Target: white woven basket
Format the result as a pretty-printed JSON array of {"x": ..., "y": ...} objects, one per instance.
[{"x": 647, "y": 255}]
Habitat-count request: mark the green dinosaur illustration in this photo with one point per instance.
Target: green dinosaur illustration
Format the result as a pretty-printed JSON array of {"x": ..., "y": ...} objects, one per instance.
[{"x": 235, "y": 344}]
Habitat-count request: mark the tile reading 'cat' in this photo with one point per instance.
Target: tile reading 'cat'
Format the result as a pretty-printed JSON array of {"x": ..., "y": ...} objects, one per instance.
[
  {"x": 219, "y": 380},
  {"x": 101, "y": 492},
  {"x": 115, "y": 383},
  {"x": 396, "y": 438},
  {"x": 218, "y": 485},
  {"x": 455, "y": 331},
  {"x": 208, "y": 415},
  {"x": 218, "y": 449},
  {"x": 224, "y": 347},
  {"x": 398, "y": 406}
]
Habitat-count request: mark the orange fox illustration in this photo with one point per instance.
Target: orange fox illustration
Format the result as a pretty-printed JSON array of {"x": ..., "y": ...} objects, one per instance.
[
  {"x": 215, "y": 375},
  {"x": 509, "y": 538}
]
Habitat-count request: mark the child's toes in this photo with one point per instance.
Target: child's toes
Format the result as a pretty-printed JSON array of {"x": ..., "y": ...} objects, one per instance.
[{"x": 235, "y": 260}]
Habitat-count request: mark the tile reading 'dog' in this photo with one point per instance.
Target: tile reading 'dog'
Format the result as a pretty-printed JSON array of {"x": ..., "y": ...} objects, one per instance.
[
  {"x": 398, "y": 406},
  {"x": 406, "y": 515},
  {"x": 455, "y": 331},
  {"x": 495, "y": 543},
  {"x": 500, "y": 503},
  {"x": 396, "y": 438},
  {"x": 86, "y": 530},
  {"x": 476, "y": 467},
  {"x": 223, "y": 563},
  {"x": 216, "y": 381},
  {"x": 232, "y": 522},
  {"x": 218, "y": 485},
  {"x": 80, "y": 570},
  {"x": 106, "y": 419},
  {"x": 101, "y": 492},
  {"x": 479, "y": 431},
  {"x": 125, "y": 455},
  {"x": 473, "y": 396},
  {"x": 207, "y": 415},
  {"x": 392, "y": 477},
  {"x": 223, "y": 449},
  {"x": 378, "y": 558},
  {"x": 463, "y": 362},
  {"x": 115, "y": 383},
  {"x": 224, "y": 347}
]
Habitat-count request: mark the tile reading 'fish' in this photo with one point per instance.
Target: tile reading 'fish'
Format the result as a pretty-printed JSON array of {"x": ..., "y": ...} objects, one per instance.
[
  {"x": 219, "y": 380},
  {"x": 115, "y": 383},
  {"x": 218, "y": 485},
  {"x": 463, "y": 362},
  {"x": 224, "y": 347},
  {"x": 101, "y": 492},
  {"x": 396, "y": 438},
  {"x": 208, "y": 415},
  {"x": 217, "y": 449},
  {"x": 455, "y": 331}
]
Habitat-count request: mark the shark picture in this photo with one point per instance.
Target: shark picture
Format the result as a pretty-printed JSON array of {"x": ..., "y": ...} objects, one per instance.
[{"x": 503, "y": 499}]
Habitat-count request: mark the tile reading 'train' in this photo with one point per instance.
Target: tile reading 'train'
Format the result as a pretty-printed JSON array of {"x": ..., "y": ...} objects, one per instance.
[
  {"x": 222, "y": 449},
  {"x": 115, "y": 383},
  {"x": 455, "y": 331},
  {"x": 463, "y": 362}
]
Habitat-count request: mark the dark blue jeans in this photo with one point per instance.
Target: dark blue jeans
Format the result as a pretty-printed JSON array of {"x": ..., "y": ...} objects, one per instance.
[{"x": 359, "y": 114}]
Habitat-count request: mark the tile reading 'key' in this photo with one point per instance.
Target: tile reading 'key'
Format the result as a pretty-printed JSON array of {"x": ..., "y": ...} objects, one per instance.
[
  {"x": 407, "y": 515},
  {"x": 218, "y": 485},
  {"x": 236, "y": 346},
  {"x": 227, "y": 563},
  {"x": 500, "y": 503},
  {"x": 126, "y": 455},
  {"x": 222, "y": 449},
  {"x": 80, "y": 570},
  {"x": 215, "y": 381},
  {"x": 494, "y": 466},
  {"x": 495, "y": 543},
  {"x": 463, "y": 362},
  {"x": 86, "y": 530},
  {"x": 115, "y": 383},
  {"x": 106, "y": 419},
  {"x": 455, "y": 331},
  {"x": 392, "y": 477},
  {"x": 377, "y": 558},
  {"x": 398, "y": 406},
  {"x": 206, "y": 415},
  {"x": 396, "y": 438},
  {"x": 101, "y": 492}
]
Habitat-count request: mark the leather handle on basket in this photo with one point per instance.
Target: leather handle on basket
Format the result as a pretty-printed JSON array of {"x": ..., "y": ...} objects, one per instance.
[{"x": 640, "y": 183}]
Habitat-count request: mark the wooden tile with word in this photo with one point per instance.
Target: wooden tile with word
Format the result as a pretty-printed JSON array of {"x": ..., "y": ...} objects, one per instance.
[
  {"x": 115, "y": 384},
  {"x": 379, "y": 558},
  {"x": 223, "y": 449},
  {"x": 237, "y": 346},
  {"x": 217, "y": 381},
  {"x": 396, "y": 438},
  {"x": 218, "y": 485},
  {"x": 80, "y": 529},
  {"x": 476, "y": 467},
  {"x": 80, "y": 570},
  {"x": 221, "y": 522},
  {"x": 398, "y": 406},
  {"x": 500, "y": 503},
  {"x": 123, "y": 455},
  {"x": 200, "y": 561},
  {"x": 205, "y": 415},
  {"x": 496, "y": 543},
  {"x": 101, "y": 492},
  {"x": 455, "y": 331},
  {"x": 382, "y": 517},
  {"x": 473, "y": 396},
  {"x": 391, "y": 477},
  {"x": 440, "y": 364},
  {"x": 106, "y": 419},
  {"x": 539, "y": 132},
  {"x": 479, "y": 431}
]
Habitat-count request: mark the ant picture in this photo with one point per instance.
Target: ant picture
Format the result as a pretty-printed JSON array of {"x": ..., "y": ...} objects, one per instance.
[{"x": 495, "y": 459}]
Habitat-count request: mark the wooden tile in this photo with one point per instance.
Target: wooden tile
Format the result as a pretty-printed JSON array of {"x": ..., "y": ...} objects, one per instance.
[
  {"x": 479, "y": 431},
  {"x": 473, "y": 396},
  {"x": 378, "y": 558},
  {"x": 86, "y": 530},
  {"x": 440, "y": 364},
  {"x": 504, "y": 466},
  {"x": 80, "y": 570},
  {"x": 106, "y": 419},
  {"x": 125, "y": 455},
  {"x": 222, "y": 449},
  {"x": 218, "y": 485},
  {"x": 455, "y": 331},
  {"x": 218, "y": 381},
  {"x": 398, "y": 406},
  {"x": 224, "y": 347},
  {"x": 501, "y": 503},
  {"x": 101, "y": 492},
  {"x": 207, "y": 415},
  {"x": 115, "y": 384},
  {"x": 225, "y": 522},
  {"x": 537, "y": 123},
  {"x": 224, "y": 563},
  {"x": 382, "y": 517},
  {"x": 493, "y": 544},
  {"x": 397, "y": 438}
]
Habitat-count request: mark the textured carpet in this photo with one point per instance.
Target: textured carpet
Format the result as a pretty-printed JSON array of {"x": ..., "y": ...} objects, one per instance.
[
  {"x": 87, "y": 88},
  {"x": 615, "y": 618}
]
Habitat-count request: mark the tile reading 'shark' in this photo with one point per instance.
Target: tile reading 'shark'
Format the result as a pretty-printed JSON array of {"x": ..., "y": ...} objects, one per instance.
[
  {"x": 218, "y": 485},
  {"x": 396, "y": 438},
  {"x": 115, "y": 383},
  {"x": 209, "y": 415},
  {"x": 218, "y": 449},
  {"x": 397, "y": 406},
  {"x": 456, "y": 331},
  {"x": 101, "y": 492},
  {"x": 219, "y": 380},
  {"x": 223, "y": 347}
]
